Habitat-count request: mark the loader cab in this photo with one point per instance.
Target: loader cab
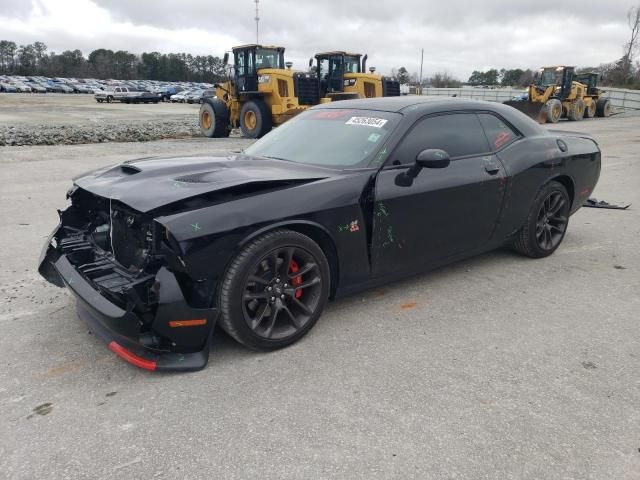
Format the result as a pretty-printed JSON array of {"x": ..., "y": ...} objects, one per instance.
[
  {"x": 590, "y": 80},
  {"x": 332, "y": 67},
  {"x": 562, "y": 77},
  {"x": 249, "y": 59}
]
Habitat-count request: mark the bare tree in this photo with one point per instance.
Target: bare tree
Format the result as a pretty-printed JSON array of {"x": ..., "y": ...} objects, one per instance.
[{"x": 633, "y": 18}]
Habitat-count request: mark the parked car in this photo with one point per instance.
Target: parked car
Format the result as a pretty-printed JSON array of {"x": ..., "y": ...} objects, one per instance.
[
  {"x": 198, "y": 96},
  {"x": 193, "y": 96},
  {"x": 35, "y": 87},
  {"x": 57, "y": 87},
  {"x": 180, "y": 97},
  {"x": 7, "y": 87},
  {"x": 80, "y": 88},
  {"x": 167, "y": 92},
  {"x": 158, "y": 251},
  {"x": 21, "y": 87},
  {"x": 126, "y": 95}
]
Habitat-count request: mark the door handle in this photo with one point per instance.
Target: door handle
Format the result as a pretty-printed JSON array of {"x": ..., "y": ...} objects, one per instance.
[{"x": 492, "y": 168}]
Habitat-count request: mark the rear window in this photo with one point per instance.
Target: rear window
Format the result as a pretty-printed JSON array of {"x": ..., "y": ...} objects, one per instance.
[{"x": 498, "y": 132}]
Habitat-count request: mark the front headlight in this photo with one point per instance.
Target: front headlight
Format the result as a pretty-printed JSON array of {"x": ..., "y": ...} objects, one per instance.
[
  {"x": 350, "y": 82},
  {"x": 264, "y": 78}
]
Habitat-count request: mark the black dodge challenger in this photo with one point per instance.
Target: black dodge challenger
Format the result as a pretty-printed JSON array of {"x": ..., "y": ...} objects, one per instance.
[{"x": 345, "y": 196}]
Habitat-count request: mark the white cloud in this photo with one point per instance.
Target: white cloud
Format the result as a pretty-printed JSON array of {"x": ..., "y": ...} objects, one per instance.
[{"x": 458, "y": 36}]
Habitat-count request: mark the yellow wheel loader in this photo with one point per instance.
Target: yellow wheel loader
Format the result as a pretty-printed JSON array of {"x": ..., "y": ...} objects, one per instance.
[
  {"x": 262, "y": 92},
  {"x": 342, "y": 75},
  {"x": 559, "y": 92}
]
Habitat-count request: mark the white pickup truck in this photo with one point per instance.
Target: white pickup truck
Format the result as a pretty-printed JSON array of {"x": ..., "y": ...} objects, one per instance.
[{"x": 126, "y": 95}]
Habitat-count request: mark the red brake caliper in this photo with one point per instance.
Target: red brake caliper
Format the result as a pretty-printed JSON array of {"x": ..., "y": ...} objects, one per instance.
[{"x": 293, "y": 266}]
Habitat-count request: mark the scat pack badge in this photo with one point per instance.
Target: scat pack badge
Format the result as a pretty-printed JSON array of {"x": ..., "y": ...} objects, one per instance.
[{"x": 349, "y": 227}]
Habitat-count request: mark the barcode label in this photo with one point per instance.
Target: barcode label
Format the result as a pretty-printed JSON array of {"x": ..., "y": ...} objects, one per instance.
[{"x": 367, "y": 121}]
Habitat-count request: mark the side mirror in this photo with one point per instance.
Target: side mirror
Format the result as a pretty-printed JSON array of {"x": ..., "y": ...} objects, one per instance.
[
  {"x": 431, "y": 158},
  {"x": 310, "y": 62},
  {"x": 225, "y": 59}
]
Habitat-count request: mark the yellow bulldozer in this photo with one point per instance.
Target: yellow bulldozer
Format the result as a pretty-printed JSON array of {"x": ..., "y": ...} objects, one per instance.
[
  {"x": 262, "y": 92},
  {"x": 559, "y": 92},
  {"x": 343, "y": 75}
]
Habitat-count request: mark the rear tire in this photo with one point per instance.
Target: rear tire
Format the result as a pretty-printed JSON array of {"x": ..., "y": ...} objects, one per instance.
[
  {"x": 259, "y": 302},
  {"x": 255, "y": 119},
  {"x": 554, "y": 110},
  {"x": 576, "y": 110},
  {"x": 546, "y": 223},
  {"x": 590, "y": 110},
  {"x": 604, "y": 108},
  {"x": 214, "y": 119}
]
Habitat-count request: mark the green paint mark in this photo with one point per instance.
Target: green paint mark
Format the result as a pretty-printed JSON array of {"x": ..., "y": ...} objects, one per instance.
[
  {"x": 440, "y": 155},
  {"x": 381, "y": 210},
  {"x": 380, "y": 157},
  {"x": 196, "y": 227},
  {"x": 179, "y": 184}
]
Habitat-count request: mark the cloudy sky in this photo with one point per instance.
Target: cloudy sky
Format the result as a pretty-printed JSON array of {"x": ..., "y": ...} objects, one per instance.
[{"x": 458, "y": 36}]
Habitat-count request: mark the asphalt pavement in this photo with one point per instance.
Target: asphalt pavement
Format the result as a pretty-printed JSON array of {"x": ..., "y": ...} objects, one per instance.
[{"x": 497, "y": 367}]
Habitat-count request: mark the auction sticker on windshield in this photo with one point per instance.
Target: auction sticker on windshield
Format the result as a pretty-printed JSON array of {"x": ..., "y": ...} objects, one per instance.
[{"x": 367, "y": 121}]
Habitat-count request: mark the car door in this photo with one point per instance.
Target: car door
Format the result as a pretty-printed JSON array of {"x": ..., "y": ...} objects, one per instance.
[{"x": 445, "y": 212}]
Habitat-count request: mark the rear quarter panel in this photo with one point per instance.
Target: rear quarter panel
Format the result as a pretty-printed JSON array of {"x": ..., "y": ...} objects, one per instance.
[{"x": 532, "y": 162}]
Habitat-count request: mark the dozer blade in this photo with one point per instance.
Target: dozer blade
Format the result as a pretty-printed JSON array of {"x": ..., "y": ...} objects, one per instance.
[{"x": 535, "y": 110}]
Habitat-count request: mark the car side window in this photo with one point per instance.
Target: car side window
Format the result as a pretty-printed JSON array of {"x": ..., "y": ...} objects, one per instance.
[
  {"x": 459, "y": 134},
  {"x": 498, "y": 132}
]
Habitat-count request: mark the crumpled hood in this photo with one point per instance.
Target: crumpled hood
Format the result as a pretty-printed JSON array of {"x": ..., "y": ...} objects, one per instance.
[{"x": 147, "y": 184}]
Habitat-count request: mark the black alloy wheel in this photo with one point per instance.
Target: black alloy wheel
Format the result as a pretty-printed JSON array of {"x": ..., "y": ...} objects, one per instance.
[
  {"x": 546, "y": 223},
  {"x": 282, "y": 293},
  {"x": 274, "y": 290},
  {"x": 552, "y": 221}
]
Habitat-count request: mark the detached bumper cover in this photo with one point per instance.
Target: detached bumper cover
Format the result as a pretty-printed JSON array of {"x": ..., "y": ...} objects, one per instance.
[{"x": 121, "y": 329}]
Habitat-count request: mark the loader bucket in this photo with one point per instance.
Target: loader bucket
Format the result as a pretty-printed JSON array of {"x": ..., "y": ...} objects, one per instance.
[{"x": 535, "y": 110}]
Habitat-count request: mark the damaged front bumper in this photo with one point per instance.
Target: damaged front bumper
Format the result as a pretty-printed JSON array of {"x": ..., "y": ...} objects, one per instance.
[{"x": 168, "y": 336}]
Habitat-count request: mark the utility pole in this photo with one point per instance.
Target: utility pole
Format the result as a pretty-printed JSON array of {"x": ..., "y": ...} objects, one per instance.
[
  {"x": 257, "y": 21},
  {"x": 421, "y": 63}
]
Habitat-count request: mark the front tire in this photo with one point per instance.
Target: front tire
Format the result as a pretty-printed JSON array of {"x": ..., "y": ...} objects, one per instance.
[
  {"x": 214, "y": 119},
  {"x": 255, "y": 119},
  {"x": 274, "y": 290},
  {"x": 554, "y": 110},
  {"x": 546, "y": 223}
]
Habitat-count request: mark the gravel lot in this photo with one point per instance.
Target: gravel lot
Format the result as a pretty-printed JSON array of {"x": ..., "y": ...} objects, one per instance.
[
  {"x": 53, "y": 119},
  {"x": 499, "y": 367}
]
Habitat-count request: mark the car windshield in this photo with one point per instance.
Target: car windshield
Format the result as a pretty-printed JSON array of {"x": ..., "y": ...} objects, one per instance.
[
  {"x": 267, "y": 58},
  {"x": 343, "y": 138}
]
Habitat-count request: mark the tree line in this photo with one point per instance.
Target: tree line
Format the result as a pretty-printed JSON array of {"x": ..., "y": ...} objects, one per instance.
[{"x": 34, "y": 59}]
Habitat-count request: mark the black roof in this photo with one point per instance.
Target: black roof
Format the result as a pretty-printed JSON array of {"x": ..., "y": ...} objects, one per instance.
[
  {"x": 397, "y": 104},
  {"x": 417, "y": 105}
]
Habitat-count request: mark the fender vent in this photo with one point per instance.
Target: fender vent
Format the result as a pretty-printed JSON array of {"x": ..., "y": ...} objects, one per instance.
[
  {"x": 129, "y": 169},
  {"x": 203, "y": 177}
]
